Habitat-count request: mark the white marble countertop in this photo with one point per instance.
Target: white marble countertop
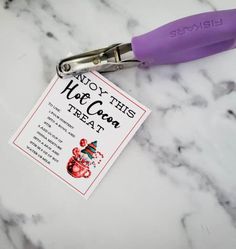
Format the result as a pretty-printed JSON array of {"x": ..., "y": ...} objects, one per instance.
[{"x": 173, "y": 187}]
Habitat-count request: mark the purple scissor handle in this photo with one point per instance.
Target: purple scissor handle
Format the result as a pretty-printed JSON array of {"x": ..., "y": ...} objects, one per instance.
[{"x": 186, "y": 39}]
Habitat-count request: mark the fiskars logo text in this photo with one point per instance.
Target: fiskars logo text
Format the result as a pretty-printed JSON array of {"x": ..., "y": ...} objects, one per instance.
[{"x": 196, "y": 27}]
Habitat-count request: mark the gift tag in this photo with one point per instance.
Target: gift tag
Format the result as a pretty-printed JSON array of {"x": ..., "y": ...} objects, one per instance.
[{"x": 78, "y": 127}]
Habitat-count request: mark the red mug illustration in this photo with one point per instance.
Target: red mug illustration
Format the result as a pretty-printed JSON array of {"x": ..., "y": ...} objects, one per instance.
[
  {"x": 83, "y": 159},
  {"x": 77, "y": 168}
]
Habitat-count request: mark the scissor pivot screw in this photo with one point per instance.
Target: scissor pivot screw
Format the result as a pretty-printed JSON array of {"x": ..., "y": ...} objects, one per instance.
[{"x": 96, "y": 61}]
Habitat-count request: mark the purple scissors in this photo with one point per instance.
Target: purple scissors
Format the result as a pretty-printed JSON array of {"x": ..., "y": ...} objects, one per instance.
[{"x": 186, "y": 39}]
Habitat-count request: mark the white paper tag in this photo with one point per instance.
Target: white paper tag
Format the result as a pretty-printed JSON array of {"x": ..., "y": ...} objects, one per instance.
[{"x": 78, "y": 127}]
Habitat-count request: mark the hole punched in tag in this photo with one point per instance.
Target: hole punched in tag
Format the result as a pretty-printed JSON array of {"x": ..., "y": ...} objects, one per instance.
[{"x": 108, "y": 59}]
